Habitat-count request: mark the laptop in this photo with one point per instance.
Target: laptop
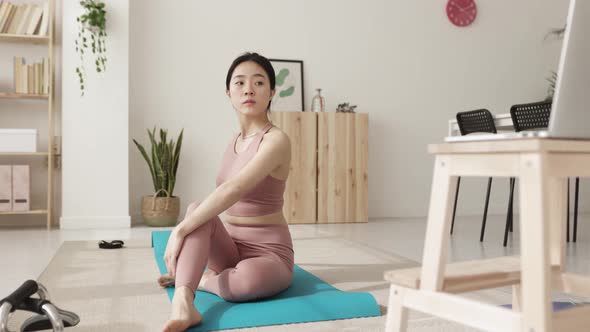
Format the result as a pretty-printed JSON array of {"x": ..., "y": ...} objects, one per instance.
[{"x": 570, "y": 111}]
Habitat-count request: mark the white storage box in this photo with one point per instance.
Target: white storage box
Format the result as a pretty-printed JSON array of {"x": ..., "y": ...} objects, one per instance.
[{"x": 18, "y": 140}]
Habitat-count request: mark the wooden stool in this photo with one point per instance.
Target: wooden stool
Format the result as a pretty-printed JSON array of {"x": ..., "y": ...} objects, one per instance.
[{"x": 542, "y": 165}]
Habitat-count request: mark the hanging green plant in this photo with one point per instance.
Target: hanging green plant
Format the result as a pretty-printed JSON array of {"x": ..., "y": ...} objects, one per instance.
[{"x": 91, "y": 36}]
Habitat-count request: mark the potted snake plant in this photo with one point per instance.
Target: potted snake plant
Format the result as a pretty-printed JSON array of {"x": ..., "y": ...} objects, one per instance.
[{"x": 161, "y": 208}]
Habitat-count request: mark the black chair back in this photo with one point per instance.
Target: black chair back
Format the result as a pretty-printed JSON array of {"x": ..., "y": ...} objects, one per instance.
[
  {"x": 477, "y": 121},
  {"x": 531, "y": 115}
]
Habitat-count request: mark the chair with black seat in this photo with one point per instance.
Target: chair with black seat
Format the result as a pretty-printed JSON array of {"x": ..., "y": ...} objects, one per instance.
[
  {"x": 535, "y": 116},
  {"x": 477, "y": 121}
]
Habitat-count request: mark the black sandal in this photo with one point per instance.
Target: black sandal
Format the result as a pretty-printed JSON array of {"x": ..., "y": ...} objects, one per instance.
[{"x": 115, "y": 244}]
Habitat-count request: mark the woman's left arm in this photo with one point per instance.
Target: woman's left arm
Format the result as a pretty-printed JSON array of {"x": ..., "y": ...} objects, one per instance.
[{"x": 274, "y": 151}]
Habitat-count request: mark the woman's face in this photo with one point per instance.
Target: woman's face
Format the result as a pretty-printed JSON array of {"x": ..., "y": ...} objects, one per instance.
[{"x": 249, "y": 89}]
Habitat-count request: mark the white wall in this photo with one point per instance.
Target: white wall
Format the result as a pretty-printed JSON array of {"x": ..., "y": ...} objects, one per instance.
[
  {"x": 96, "y": 127},
  {"x": 402, "y": 62}
]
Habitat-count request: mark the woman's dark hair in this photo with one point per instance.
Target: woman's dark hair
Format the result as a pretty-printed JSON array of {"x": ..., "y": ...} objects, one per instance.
[{"x": 257, "y": 58}]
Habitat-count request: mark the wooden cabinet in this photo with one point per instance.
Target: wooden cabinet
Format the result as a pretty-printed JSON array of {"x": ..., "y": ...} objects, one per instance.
[
  {"x": 342, "y": 167},
  {"x": 301, "y": 194},
  {"x": 328, "y": 182}
]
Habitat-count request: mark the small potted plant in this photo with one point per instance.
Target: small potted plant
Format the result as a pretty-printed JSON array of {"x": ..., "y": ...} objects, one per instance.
[
  {"x": 162, "y": 208},
  {"x": 345, "y": 108}
]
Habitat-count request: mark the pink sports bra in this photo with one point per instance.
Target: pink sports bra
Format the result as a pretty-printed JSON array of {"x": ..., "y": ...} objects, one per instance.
[{"x": 266, "y": 197}]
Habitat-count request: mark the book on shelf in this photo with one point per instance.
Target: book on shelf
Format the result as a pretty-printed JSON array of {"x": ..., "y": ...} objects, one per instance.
[
  {"x": 24, "y": 19},
  {"x": 26, "y": 14},
  {"x": 3, "y": 14},
  {"x": 31, "y": 78},
  {"x": 35, "y": 20},
  {"x": 45, "y": 88},
  {"x": 44, "y": 25}
]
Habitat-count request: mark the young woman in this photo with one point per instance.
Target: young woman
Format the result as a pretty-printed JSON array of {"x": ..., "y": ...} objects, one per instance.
[{"x": 251, "y": 255}]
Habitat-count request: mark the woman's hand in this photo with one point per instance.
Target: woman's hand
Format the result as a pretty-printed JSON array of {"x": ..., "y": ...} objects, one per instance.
[{"x": 172, "y": 251}]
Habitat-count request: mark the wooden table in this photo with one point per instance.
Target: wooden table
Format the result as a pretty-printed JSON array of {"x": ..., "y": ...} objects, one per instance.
[{"x": 542, "y": 165}]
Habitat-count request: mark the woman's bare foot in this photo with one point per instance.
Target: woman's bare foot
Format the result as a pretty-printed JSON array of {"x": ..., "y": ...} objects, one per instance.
[
  {"x": 184, "y": 314},
  {"x": 206, "y": 275}
]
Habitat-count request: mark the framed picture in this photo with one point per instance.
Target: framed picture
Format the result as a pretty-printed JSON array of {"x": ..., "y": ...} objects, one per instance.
[{"x": 289, "y": 85}]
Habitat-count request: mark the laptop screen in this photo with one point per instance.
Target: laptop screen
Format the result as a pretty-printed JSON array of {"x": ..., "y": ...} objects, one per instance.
[{"x": 570, "y": 115}]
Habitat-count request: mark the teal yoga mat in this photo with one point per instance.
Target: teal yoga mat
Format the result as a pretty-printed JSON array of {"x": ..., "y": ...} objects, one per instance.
[{"x": 308, "y": 299}]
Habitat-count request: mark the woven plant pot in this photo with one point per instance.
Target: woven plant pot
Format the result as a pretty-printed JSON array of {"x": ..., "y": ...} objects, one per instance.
[{"x": 160, "y": 211}]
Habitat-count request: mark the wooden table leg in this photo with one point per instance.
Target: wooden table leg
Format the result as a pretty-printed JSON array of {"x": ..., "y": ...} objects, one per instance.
[
  {"x": 534, "y": 237},
  {"x": 397, "y": 314},
  {"x": 438, "y": 226},
  {"x": 557, "y": 220},
  {"x": 516, "y": 297}
]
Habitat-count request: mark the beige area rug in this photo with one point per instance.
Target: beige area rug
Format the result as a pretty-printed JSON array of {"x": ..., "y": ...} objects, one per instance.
[
  {"x": 111, "y": 290},
  {"x": 116, "y": 290}
]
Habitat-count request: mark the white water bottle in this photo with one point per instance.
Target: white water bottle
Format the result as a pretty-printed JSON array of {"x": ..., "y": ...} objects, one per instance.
[{"x": 318, "y": 103}]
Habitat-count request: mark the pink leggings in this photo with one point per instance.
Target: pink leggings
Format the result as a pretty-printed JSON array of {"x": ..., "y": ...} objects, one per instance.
[{"x": 252, "y": 261}]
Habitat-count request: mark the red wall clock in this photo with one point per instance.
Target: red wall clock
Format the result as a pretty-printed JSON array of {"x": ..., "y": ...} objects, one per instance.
[{"x": 461, "y": 12}]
